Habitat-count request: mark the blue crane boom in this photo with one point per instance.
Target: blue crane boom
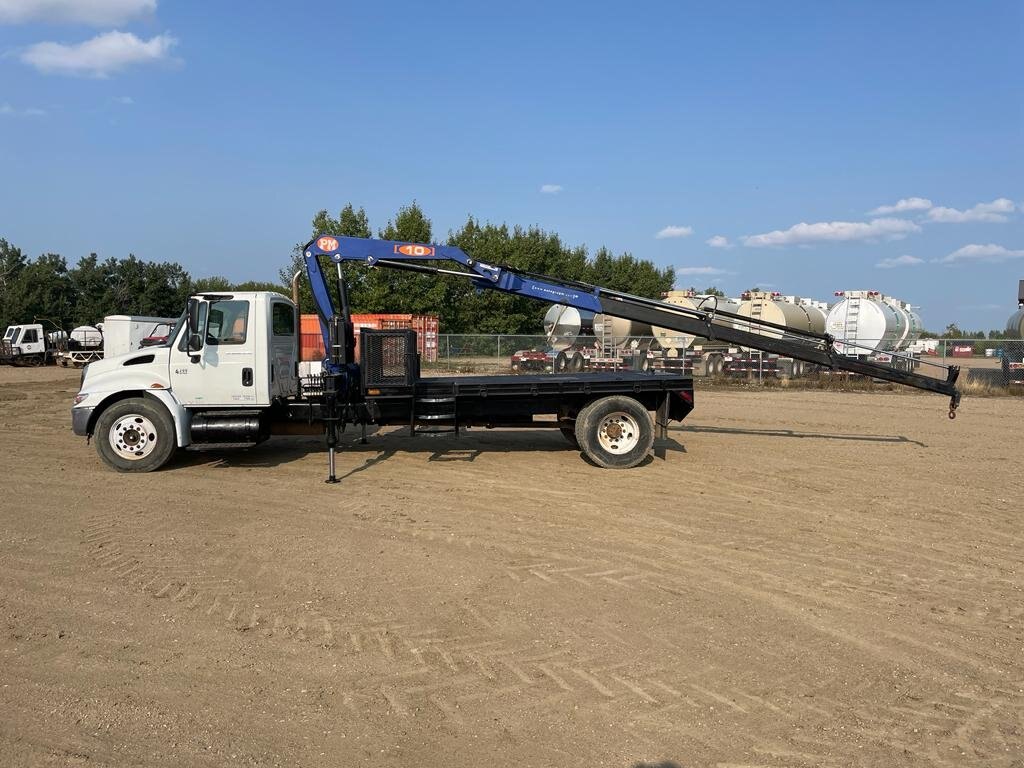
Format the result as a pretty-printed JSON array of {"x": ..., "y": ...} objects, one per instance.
[{"x": 808, "y": 346}]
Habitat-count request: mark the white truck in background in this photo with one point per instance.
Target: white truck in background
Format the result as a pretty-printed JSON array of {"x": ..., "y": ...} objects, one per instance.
[{"x": 26, "y": 344}]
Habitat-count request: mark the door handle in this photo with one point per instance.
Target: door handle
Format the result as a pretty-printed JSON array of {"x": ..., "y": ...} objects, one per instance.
[{"x": 247, "y": 377}]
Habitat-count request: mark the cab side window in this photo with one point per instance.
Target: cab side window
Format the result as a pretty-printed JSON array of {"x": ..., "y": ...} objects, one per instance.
[
  {"x": 228, "y": 323},
  {"x": 31, "y": 336},
  {"x": 283, "y": 319}
]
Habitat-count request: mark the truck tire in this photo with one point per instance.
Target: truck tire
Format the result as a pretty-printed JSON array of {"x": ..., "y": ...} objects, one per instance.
[
  {"x": 615, "y": 432},
  {"x": 561, "y": 363},
  {"x": 135, "y": 435},
  {"x": 576, "y": 362}
]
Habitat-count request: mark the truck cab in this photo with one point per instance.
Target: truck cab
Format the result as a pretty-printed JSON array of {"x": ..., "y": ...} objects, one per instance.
[
  {"x": 25, "y": 345},
  {"x": 211, "y": 386}
]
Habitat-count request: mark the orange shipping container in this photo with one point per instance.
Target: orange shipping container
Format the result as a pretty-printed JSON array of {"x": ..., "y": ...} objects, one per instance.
[{"x": 426, "y": 327}]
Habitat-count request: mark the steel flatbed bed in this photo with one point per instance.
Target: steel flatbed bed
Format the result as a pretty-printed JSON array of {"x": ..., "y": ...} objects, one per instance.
[{"x": 451, "y": 402}]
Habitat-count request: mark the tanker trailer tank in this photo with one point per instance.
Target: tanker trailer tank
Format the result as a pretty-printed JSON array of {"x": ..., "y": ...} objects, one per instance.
[
  {"x": 668, "y": 339},
  {"x": 620, "y": 332},
  {"x": 564, "y": 325},
  {"x": 863, "y": 324},
  {"x": 761, "y": 305},
  {"x": 707, "y": 302},
  {"x": 816, "y": 312},
  {"x": 1015, "y": 325},
  {"x": 910, "y": 323}
]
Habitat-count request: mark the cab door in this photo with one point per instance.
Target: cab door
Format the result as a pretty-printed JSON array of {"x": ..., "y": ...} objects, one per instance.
[
  {"x": 223, "y": 371},
  {"x": 32, "y": 341},
  {"x": 283, "y": 348}
]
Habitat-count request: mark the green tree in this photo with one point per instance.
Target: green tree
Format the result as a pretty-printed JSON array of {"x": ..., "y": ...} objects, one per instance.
[
  {"x": 43, "y": 289},
  {"x": 12, "y": 262},
  {"x": 211, "y": 284},
  {"x": 262, "y": 285}
]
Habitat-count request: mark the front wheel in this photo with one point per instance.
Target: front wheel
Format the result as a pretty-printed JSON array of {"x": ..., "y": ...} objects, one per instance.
[
  {"x": 135, "y": 435},
  {"x": 615, "y": 432}
]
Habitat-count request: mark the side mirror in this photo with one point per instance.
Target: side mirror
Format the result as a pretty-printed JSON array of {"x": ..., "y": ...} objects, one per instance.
[
  {"x": 194, "y": 333},
  {"x": 193, "y": 318}
]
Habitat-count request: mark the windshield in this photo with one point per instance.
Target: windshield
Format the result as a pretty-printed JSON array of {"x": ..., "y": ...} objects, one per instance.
[{"x": 174, "y": 331}]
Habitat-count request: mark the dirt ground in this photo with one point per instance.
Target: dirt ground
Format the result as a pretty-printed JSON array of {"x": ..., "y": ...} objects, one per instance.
[{"x": 806, "y": 579}]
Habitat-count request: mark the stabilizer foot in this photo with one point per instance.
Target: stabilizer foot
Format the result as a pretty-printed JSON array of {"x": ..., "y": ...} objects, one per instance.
[{"x": 331, "y": 479}]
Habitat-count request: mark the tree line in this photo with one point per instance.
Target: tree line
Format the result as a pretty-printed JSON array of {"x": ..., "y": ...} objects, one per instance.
[{"x": 47, "y": 288}]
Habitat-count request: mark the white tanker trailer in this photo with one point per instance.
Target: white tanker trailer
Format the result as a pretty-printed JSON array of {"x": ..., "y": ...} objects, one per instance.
[
  {"x": 1015, "y": 325},
  {"x": 863, "y": 323},
  {"x": 910, "y": 322}
]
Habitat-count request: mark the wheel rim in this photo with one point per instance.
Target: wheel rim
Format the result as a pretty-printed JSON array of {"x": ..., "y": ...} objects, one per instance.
[
  {"x": 133, "y": 437},
  {"x": 618, "y": 433}
]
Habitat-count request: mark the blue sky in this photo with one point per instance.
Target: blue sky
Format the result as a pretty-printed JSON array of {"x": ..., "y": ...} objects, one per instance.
[{"x": 209, "y": 133}]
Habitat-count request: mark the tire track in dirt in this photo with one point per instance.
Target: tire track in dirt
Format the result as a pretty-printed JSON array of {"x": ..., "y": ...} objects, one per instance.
[{"x": 417, "y": 668}]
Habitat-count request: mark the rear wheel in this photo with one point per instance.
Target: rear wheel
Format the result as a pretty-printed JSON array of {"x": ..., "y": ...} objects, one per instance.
[
  {"x": 615, "y": 432},
  {"x": 576, "y": 362},
  {"x": 561, "y": 363},
  {"x": 135, "y": 435}
]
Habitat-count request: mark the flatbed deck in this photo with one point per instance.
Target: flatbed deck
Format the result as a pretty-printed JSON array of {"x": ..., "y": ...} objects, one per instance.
[
  {"x": 596, "y": 382},
  {"x": 509, "y": 401}
]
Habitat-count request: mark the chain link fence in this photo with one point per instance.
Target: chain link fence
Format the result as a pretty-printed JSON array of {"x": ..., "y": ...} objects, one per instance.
[
  {"x": 996, "y": 362},
  {"x": 982, "y": 361}
]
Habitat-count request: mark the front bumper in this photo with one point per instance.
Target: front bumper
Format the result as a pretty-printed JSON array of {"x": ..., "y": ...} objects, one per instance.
[{"x": 80, "y": 420}]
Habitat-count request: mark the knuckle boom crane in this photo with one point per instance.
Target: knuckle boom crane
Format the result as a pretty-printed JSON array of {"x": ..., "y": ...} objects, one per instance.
[{"x": 817, "y": 348}]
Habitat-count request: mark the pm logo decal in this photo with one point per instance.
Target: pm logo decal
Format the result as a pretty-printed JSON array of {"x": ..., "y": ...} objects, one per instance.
[{"x": 327, "y": 243}]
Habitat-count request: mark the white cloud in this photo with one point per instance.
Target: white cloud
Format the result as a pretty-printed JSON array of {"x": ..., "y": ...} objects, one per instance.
[
  {"x": 673, "y": 231},
  {"x": 994, "y": 211},
  {"x": 899, "y": 261},
  {"x": 718, "y": 241},
  {"x": 93, "y": 12},
  {"x": 683, "y": 271},
  {"x": 99, "y": 56},
  {"x": 551, "y": 189},
  {"x": 902, "y": 206},
  {"x": 975, "y": 252},
  {"x": 834, "y": 231},
  {"x": 126, "y": 100},
  {"x": 8, "y": 110}
]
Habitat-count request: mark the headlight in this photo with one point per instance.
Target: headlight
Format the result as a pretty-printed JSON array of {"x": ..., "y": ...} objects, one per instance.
[{"x": 80, "y": 397}]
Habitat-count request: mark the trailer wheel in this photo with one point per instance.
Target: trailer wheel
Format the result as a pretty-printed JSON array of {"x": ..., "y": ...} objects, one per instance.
[
  {"x": 561, "y": 363},
  {"x": 615, "y": 432},
  {"x": 576, "y": 362},
  {"x": 135, "y": 435}
]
